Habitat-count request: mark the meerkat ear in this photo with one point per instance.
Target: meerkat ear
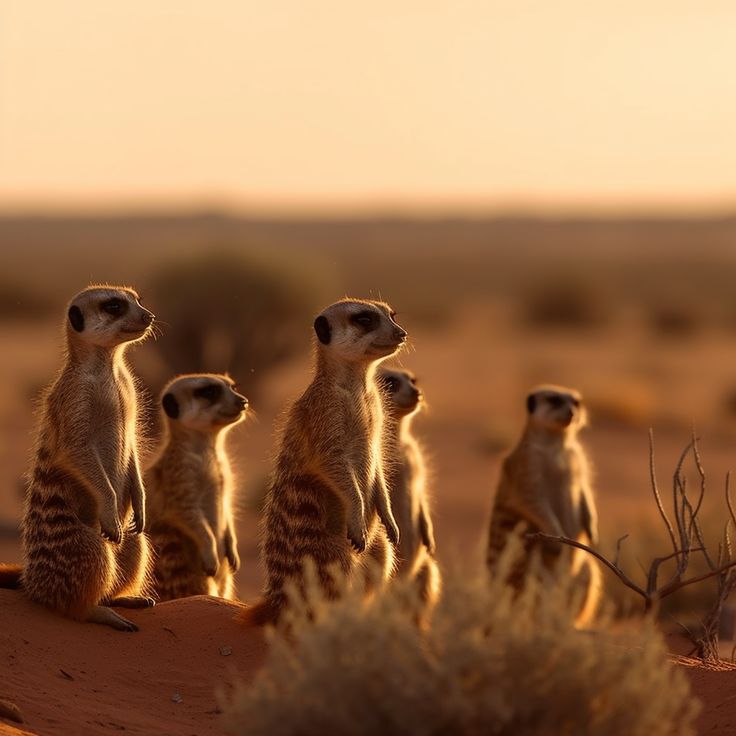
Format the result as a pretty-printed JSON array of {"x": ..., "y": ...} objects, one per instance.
[
  {"x": 531, "y": 403},
  {"x": 171, "y": 406},
  {"x": 323, "y": 330},
  {"x": 76, "y": 318}
]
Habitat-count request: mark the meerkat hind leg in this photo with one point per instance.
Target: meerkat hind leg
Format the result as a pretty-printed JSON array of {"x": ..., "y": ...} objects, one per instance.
[{"x": 108, "y": 617}]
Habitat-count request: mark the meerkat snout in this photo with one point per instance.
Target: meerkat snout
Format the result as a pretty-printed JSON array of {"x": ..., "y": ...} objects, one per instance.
[
  {"x": 108, "y": 316},
  {"x": 359, "y": 331},
  {"x": 203, "y": 402},
  {"x": 400, "y": 387}
]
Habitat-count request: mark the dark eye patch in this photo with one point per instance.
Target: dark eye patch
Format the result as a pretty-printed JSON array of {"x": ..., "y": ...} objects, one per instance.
[
  {"x": 115, "y": 307},
  {"x": 366, "y": 320},
  {"x": 389, "y": 383},
  {"x": 211, "y": 392},
  {"x": 555, "y": 401}
]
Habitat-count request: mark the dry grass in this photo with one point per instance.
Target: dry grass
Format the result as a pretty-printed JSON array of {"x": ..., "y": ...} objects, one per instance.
[{"x": 486, "y": 663}]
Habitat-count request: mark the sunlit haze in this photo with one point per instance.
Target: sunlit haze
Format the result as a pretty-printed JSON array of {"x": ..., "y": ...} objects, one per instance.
[{"x": 334, "y": 105}]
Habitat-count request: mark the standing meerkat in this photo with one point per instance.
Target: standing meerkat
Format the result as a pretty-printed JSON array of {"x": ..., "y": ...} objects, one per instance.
[
  {"x": 407, "y": 478},
  {"x": 328, "y": 488},
  {"x": 190, "y": 486},
  {"x": 83, "y": 545},
  {"x": 545, "y": 485}
]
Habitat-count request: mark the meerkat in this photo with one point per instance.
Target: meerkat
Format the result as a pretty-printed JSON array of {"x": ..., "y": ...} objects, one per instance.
[
  {"x": 189, "y": 489},
  {"x": 407, "y": 485},
  {"x": 328, "y": 489},
  {"x": 84, "y": 512},
  {"x": 545, "y": 487}
]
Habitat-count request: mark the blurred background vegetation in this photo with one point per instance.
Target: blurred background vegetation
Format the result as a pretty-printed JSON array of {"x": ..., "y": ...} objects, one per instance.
[{"x": 640, "y": 315}]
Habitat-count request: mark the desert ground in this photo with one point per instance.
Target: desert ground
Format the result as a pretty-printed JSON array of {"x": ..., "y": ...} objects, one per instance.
[{"x": 649, "y": 339}]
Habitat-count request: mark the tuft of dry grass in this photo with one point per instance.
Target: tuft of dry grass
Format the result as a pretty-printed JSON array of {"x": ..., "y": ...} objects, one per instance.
[{"x": 487, "y": 662}]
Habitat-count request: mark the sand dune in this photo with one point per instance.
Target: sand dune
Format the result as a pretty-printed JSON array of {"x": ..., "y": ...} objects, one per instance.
[
  {"x": 70, "y": 678},
  {"x": 82, "y": 679}
]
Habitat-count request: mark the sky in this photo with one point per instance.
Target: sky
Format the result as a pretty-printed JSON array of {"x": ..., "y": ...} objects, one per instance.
[{"x": 324, "y": 105}]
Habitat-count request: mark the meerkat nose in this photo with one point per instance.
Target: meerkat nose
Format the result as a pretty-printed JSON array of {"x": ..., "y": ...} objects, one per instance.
[
  {"x": 401, "y": 334},
  {"x": 148, "y": 317}
]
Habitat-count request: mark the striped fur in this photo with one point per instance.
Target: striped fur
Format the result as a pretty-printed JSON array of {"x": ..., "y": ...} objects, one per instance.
[
  {"x": 189, "y": 491},
  {"x": 83, "y": 512},
  {"x": 407, "y": 480},
  {"x": 328, "y": 500},
  {"x": 545, "y": 487}
]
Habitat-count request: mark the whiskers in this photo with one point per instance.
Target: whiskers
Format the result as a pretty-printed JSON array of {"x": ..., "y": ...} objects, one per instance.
[{"x": 158, "y": 328}]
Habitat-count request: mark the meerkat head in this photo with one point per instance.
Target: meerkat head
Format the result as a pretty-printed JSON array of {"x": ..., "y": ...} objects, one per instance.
[
  {"x": 556, "y": 409},
  {"x": 400, "y": 387},
  {"x": 107, "y": 316},
  {"x": 205, "y": 402},
  {"x": 359, "y": 331}
]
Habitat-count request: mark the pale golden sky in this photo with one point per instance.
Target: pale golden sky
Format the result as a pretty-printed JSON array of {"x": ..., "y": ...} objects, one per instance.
[{"x": 382, "y": 104}]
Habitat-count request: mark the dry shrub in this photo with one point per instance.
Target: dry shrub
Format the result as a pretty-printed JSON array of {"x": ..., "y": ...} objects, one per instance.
[
  {"x": 675, "y": 319},
  {"x": 568, "y": 301},
  {"x": 486, "y": 663},
  {"x": 227, "y": 311},
  {"x": 22, "y": 302}
]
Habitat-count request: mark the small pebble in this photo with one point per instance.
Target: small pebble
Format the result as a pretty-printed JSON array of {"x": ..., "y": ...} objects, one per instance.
[
  {"x": 226, "y": 651},
  {"x": 177, "y": 698}
]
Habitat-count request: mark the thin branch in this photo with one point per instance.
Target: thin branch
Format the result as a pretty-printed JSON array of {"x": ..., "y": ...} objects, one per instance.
[
  {"x": 625, "y": 579},
  {"x": 728, "y": 498},
  {"x": 698, "y": 578},
  {"x": 701, "y": 471},
  {"x": 618, "y": 549},
  {"x": 655, "y": 490}
]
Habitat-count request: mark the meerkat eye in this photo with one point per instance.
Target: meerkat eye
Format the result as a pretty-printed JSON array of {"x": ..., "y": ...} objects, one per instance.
[
  {"x": 363, "y": 319},
  {"x": 115, "y": 307},
  {"x": 211, "y": 392}
]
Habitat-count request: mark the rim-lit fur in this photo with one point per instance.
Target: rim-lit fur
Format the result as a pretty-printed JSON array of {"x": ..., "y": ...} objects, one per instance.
[
  {"x": 190, "y": 489},
  {"x": 545, "y": 487},
  {"x": 407, "y": 478},
  {"x": 85, "y": 504},
  {"x": 328, "y": 498}
]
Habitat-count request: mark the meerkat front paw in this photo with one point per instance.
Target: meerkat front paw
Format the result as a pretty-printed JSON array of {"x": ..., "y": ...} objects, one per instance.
[
  {"x": 392, "y": 531},
  {"x": 233, "y": 559},
  {"x": 139, "y": 520},
  {"x": 111, "y": 528},
  {"x": 358, "y": 535},
  {"x": 210, "y": 564}
]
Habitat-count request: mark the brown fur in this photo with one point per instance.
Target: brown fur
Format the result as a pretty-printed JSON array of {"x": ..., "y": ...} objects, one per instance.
[
  {"x": 545, "y": 487},
  {"x": 190, "y": 486},
  {"x": 328, "y": 485},
  {"x": 407, "y": 485},
  {"x": 84, "y": 508}
]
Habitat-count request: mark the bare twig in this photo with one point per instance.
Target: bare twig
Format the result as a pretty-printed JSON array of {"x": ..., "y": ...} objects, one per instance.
[
  {"x": 650, "y": 596},
  {"x": 625, "y": 579},
  {"x": 655, "y": 491},
  {"x": 618, "y": 549}
]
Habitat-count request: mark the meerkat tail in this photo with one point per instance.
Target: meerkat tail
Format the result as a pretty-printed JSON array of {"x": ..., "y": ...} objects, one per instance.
[
  {"x": 10, "y": 575},
  {"x": 260, "y": 613}
]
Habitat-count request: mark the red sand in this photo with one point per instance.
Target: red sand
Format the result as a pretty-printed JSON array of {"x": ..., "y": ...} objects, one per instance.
[
  {"x": 71, "y": 678},
  {"x": 83, "y": 679}
]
